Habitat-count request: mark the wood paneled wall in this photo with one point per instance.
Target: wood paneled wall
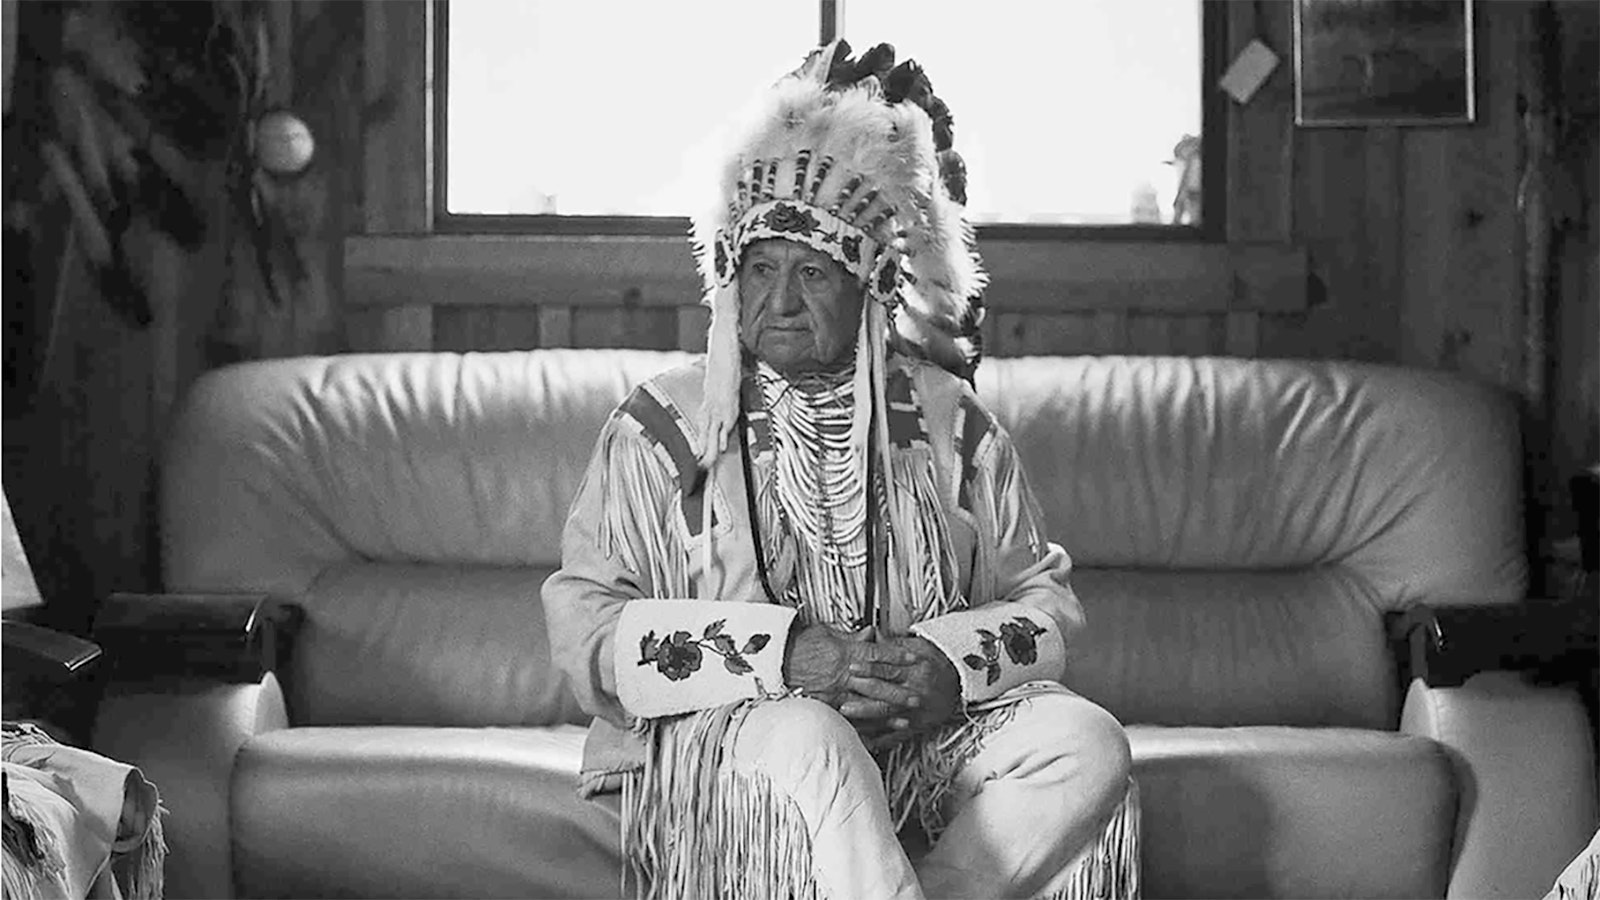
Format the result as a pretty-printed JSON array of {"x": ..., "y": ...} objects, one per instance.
[
  {"x": 1391, "y": 244},
  {"x": 82, "y": 449},
  {"x": 420, "y": 291}
]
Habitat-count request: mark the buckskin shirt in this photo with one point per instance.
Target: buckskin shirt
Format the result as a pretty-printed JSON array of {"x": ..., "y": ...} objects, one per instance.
[{"x": 674, "y": 658}]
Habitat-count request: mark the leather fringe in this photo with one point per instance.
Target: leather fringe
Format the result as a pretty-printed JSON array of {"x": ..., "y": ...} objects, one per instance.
[
  {"x": 918, "y": 775},
  {"x": 693, "y": 828},
  {"x": 986, "y": 516},
  {"x": 985, "y": 498},
  {"x": 1110, "y": 869},
  {"x": 1581, "y": 880},
  {"x": 34, "y": 867},
  {"x": 635, "y": 479},
  {"x": 141, "y": 872},
  {"x": 933, "y": 591}
]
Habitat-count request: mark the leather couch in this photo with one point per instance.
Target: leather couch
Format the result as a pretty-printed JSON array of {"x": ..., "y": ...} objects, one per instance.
[{"x": 1244, "y": 533}]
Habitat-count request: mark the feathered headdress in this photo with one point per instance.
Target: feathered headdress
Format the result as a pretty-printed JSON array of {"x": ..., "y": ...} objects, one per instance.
[{"x": 853, "y": 158}]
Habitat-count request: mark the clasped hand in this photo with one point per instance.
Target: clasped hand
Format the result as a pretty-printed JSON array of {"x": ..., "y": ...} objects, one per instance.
[{"x": 891, "y": 688}]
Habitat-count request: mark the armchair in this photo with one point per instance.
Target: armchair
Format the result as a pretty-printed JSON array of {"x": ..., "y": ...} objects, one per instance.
[{"x": 77, "y": 824}]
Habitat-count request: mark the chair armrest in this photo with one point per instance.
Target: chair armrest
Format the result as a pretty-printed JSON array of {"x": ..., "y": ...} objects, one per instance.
[
  {"x": 1445, "y": 645},
  {"x": 231, "y": 638},
  {"x": 39, "y": 652}
]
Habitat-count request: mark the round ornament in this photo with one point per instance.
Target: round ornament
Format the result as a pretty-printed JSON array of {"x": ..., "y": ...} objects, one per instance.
[{"x": 284, "y": 145}]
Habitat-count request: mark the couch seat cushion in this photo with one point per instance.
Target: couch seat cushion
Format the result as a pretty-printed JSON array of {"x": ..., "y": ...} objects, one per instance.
[
  {"x": 493, "y": 812},
  {"x": 1293, "y": 812},
  {"x": 420, "y": 812}
]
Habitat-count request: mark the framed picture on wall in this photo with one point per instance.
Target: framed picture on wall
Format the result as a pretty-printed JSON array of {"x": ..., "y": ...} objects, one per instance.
[{"x": 1377, "y": 62}]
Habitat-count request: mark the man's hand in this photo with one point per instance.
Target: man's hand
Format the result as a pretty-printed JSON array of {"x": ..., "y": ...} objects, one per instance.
[
  {"x": 890, "y": 689},
  {"x": 820, "y": 661},
  {"x": 919, "y": 692}
]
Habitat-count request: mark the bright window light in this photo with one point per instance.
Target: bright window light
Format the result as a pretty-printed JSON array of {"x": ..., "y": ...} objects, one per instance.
[{"x": 1066, "y": 111}]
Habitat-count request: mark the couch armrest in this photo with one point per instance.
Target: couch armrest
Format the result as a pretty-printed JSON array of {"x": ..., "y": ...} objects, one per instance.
[
  {"x": 39, "y": 652},
  {"x": 1445, "y": 645},
  {"x": 191, "y": 680},
  {"x": 183, "y": 734},
  {"x": 231, "y": 638},
  {"x": 1498, "y": 688},
  {"x": 1524, "y": 763}
]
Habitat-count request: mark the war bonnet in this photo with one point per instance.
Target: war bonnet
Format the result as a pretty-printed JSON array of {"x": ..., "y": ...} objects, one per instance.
[{"x": 853, "y": 158}]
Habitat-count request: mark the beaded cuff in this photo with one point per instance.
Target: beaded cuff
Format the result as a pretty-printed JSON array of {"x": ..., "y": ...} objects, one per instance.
[
  {"x": 997, "y": 647},
  {"x": 679, "y": 656}
]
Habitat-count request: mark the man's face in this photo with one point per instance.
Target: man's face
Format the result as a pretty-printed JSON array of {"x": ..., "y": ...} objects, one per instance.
[{"x": 798, "y": 308}]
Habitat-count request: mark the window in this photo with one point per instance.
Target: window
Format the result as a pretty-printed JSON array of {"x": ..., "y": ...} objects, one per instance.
[{"x": 1068, "y": 113}]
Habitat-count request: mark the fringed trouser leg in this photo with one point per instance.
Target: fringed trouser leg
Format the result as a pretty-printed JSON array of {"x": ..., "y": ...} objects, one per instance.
[
  {"x": 1044, "y": 808},
  {"x": 77, "y": 822},
  {"x": 809, "y": 753},
  {"x": 793, "y": 806}
]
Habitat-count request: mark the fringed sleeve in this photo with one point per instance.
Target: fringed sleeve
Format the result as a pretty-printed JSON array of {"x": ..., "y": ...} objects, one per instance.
[
  {"x": 997, "y": 647},
  {"x": 1024, "y": 614},
  {"x": 680, "y": 656},
  {"x": 623, "y": 541}
]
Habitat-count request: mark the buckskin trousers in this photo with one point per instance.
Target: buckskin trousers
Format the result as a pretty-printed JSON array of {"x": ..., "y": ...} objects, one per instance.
[{"x": 1024, "y": 812}]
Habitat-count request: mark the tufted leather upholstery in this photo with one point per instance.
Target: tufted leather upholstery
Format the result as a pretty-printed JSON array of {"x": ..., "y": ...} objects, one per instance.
[{"x": 1238, "y": 527}]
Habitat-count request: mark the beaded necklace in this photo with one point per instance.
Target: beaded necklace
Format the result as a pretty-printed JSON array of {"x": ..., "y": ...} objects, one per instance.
[{"x": 811, "y": 497}]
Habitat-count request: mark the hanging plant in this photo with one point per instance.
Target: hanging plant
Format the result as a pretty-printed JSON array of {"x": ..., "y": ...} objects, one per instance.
[{"x": 113, "y": 113}]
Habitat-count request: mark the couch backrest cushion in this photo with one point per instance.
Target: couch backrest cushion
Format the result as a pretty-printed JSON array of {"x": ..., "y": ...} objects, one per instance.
[
  {"x": 1287, "y": 647},
  {"x": 408, "y": 644},
  {"x": 278, "y": 469},
  {"x": 1238, "y": 526},
  {"x": 1408, "y": 477}
]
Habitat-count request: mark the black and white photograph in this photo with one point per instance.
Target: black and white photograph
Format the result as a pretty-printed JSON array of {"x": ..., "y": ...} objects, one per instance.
[{"x": 800, "y": 449}]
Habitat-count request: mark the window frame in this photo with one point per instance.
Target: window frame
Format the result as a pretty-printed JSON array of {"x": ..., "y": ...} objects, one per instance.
[
  {"x": 1213, "y": 161},
  {"x": 403, "y": 279}
]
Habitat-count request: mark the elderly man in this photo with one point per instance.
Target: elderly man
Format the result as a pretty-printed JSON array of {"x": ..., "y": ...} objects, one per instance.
[{"x": 804, "y": 588}]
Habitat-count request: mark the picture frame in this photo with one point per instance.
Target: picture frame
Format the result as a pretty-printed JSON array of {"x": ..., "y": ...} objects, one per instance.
[{"x": 1375, "y": 62}]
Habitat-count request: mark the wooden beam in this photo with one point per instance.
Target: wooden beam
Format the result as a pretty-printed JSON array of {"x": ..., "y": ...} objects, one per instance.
[
  {"x": 1268, "y": 277},
  {"x": 1111, "y": 331},
  {"x": 520, "y": 270},
  {"x": 405, "y": 328},
  {"x": 657, "y": 271},
  {"x": 1244, "y": 334},
  {"x": 1194, "y": 335},
  {"x": 692, "y": 324},
  {"x": 397, "y": 116},
  {"x": 1260, "y": 162},
  {"x": 1383, "y": 235},
  {"x": 485, "y": 328},
  {"x": 555, "y": 325}
]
